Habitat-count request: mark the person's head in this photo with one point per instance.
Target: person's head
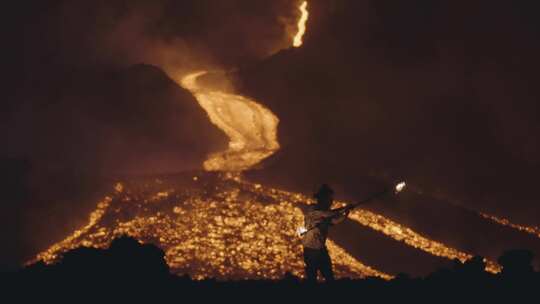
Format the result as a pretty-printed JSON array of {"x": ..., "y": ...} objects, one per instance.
[{"x": 324, "y": 196}]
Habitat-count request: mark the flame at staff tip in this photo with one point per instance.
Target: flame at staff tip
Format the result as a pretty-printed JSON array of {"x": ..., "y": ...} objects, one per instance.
[
  {"x": 301, "y": 230},
  {"x": 400, "y": 187},
  {"x": 301, "y": 25}
]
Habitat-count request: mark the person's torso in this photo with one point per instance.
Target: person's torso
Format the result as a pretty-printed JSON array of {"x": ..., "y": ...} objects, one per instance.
[{"x": 315, "y": 222}]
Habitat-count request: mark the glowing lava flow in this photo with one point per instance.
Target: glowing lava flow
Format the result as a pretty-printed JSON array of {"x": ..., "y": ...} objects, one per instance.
[
  {"x": 215, "y": 228},
  {"x": 297, "y": 42},
  {"x": 412, "y": 238},
  {"x": 388, "y": 227},
  {"x": 224, "y": 230},
  {"x": 228, "y": 228},
  {"x": 251, "y": 128},
  {"x": 505, "y": 222}
]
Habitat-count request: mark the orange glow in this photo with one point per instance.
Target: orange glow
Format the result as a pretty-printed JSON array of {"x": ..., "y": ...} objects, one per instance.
[
  {"x": 505, "y": 222},
  {"x": 404, "y": 234},
  {"x": 225, "y": 227},
  {"x": 226, "y": 230},
  {"x": 390, "y": 228},
  {"x": 251, "y": 128},
  {"x": 229, "y": 229},
  {"x": 297, "y": 42}
]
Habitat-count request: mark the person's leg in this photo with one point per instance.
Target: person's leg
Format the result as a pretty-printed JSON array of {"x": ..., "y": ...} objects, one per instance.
[
  {"x": 311, "y": 264},
  {"x": 326, "y": 266}
]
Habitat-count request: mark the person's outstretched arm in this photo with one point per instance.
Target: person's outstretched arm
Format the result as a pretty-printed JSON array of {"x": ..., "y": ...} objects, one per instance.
[{"x": 340, "y": 216}]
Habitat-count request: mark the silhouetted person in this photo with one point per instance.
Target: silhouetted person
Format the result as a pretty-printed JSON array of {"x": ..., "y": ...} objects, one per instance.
[{"x": 317, "y": 221}]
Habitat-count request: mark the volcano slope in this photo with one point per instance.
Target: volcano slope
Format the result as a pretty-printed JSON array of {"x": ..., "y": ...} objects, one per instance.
[
  {"x": 209, "y": 225},
  {"x": 220, "y": 225},
  {"x": 248, "y": 241},
  {"x": 74, "y": 131},
  {"x": 372, "y": 96},
  {"x": 353, "y": 111}
]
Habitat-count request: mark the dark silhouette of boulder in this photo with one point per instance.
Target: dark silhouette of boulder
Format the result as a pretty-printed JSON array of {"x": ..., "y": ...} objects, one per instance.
[
  {"x": 517, "y": 263},
  {"x": 128, "y": 256}
]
